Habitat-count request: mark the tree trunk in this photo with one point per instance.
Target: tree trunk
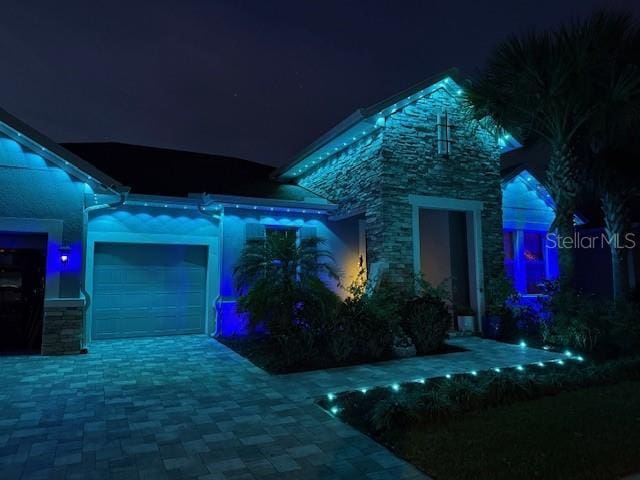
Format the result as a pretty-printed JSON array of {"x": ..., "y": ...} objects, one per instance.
[
  {"x": 563, "y": 188},
  {"x": 616, "y": 219}
]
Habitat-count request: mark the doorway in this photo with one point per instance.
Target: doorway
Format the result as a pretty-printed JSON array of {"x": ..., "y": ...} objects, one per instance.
[
  {"x": 444, "y": 252},
  {"x": 447, "y": 248},
  {"x": 22, "y": 285}
]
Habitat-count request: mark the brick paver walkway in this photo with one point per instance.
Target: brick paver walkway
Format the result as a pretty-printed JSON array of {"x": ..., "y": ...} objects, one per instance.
[{"x": 189, "y": 408}]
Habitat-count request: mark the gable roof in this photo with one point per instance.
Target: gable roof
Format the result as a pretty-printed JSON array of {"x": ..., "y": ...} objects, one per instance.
[
  {"x": 533, "y": 183},
  {"x": 175, "y": 173},
  {"x": 365, "y": 121},
  {"x": 51, "y": 151}
]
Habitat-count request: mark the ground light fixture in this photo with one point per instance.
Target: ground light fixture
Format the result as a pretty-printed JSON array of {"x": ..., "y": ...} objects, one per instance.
[{"x": 396, "y": 386}]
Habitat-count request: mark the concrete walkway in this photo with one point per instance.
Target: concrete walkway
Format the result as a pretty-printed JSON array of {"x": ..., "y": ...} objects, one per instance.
[{"x": 189, "y": 408}]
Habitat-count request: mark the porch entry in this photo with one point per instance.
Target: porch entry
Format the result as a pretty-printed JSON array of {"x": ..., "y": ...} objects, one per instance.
[{"x": 447, "y": 249}]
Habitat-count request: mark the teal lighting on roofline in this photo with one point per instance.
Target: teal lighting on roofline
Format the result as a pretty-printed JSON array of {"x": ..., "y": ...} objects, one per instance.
[{"x": 367, "y": 121}]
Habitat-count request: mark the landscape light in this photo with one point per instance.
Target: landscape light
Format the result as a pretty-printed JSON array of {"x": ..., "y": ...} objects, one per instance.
[
  {"x": 334, "y": 410},
  {"x": 523, "y": 344},
  {"x": 395, "y": 387},
  {"x": 363, "y": 390},
  {"x": 473, "y": 372},
  {"x": 331, "y": 397},
  {"x": 520, "y": 368},
  {"x": 497, "y": 370},
  {"x": 448, "y": 375},
  {"x": 540, "y": 364},
  {"x": 567, "y": 353}
]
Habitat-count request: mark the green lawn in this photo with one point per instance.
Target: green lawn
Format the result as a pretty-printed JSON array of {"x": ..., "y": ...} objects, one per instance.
[{"x": 592, "y": 433}]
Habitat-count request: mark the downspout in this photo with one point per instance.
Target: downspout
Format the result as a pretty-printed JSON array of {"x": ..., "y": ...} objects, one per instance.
[
  {"x": 123, "y": 194},
  {"x": 217, "y": 216}
]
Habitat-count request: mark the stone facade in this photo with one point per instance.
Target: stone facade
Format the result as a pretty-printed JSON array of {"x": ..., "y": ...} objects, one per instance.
[
  {"x": 62, "y": 327},
  {"x": 379, "y": 173}
]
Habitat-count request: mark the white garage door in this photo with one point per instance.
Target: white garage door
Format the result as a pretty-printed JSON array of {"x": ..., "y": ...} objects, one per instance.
[{"x": 146, "y": 290}]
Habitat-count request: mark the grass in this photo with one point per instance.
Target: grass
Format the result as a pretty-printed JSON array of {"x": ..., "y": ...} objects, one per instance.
[
  {"x": 592, "y": 433},
  {"x": 259, "y": 350}
]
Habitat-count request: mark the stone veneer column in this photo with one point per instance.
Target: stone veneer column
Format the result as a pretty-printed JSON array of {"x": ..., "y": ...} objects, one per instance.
[{"x": 62, "y": 326}]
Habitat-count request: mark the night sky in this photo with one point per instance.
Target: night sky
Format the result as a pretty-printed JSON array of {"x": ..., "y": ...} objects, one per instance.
[{"x": 257, "y": 80}]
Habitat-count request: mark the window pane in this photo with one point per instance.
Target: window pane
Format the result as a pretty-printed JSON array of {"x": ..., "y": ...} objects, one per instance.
[
  {"x": 533, "y": 246},
  {"x": 535, "y": 276},
  {"x": 282, "y": 232},
  {"x": 534, "y": 261},
  {"x": 507, "y": 242}
]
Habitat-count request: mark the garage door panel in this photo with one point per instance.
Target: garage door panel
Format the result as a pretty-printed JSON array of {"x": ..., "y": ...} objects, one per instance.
[{"x": 146, "y": 290}]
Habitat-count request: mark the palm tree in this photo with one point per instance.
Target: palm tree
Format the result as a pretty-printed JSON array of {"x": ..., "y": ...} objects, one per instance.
[
  {"x": 280, "y": 280},
  {"x": 531, "y": 86},
  {"x": 611, "y": 133}
]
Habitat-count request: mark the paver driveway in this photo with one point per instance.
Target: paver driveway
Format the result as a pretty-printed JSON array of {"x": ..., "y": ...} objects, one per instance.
[{"x": 187, "y": 407}]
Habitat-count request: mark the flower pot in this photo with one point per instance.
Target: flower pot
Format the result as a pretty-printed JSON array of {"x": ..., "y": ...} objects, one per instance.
[{"x": 466, "y": 323}]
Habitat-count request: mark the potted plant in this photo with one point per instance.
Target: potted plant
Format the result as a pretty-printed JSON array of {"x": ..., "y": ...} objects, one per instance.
[
  {"x": 403, "y": 345},
  {"x": 466, "y": 319}
]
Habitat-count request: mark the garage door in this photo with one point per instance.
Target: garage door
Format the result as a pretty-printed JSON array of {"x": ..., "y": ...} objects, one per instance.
[{"x": 146, "y": 290}]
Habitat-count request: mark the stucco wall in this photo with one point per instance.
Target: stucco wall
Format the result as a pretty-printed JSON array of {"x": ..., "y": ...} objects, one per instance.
[
  {"x": 401, "y": 159},
  {"x": 155, "y": 224},
  {"x": 31, "y": 189}
]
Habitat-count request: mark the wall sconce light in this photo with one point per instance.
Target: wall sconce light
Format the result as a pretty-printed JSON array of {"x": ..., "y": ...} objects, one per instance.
[{"x": 64, "y": 254}]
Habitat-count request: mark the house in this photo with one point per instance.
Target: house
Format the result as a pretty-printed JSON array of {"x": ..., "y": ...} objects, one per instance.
[{"x": 407, "y": 186}]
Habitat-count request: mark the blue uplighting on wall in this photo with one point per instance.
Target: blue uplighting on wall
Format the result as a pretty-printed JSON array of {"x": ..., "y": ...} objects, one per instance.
[{"x": 229, "y": 321}]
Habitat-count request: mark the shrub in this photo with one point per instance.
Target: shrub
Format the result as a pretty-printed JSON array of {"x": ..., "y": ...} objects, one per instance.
[
  {"x": 426, "y": 319},
  {"x": 461, "y": 393},
  {"x": 624, "y": 331},
  {"x": 589, "y": 323},
  {"x": 440, "y": 399},
  {"x": 407, "y": 409},
  {"x": 280, "y": 290},
  {"x": 498, "y": 321},
  {"x": 368, "y": 321}
]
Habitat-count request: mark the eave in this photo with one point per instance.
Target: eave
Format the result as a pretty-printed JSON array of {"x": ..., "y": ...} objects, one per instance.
[
  {"x": 365, "y": 121},
  {"x": 40, "y": 144}
]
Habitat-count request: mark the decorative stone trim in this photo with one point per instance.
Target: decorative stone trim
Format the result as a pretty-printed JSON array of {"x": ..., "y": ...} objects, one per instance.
[{"x": 62, "y": 326}]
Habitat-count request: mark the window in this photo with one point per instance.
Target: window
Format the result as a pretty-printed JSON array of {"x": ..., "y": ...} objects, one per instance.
[
  {"x": 508, "y": 242},
  {"x": 526, "y": 260},
  {"x": 533, "y": 254},
  {"x": 444, "y": 134},
  {"x": 291, "y": 233}
]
